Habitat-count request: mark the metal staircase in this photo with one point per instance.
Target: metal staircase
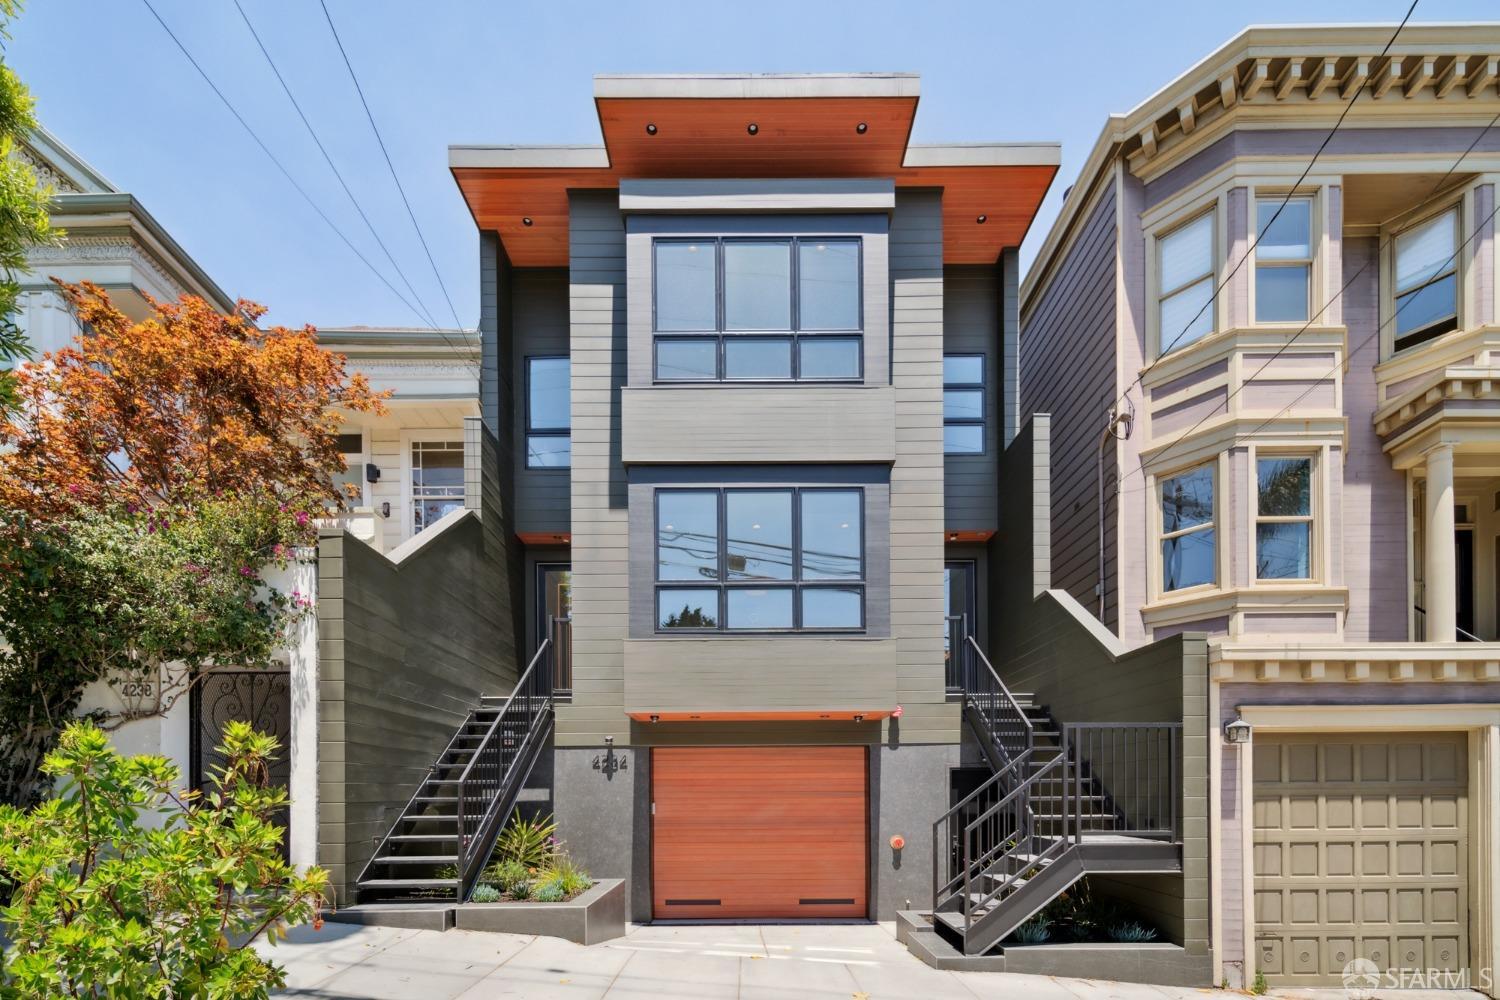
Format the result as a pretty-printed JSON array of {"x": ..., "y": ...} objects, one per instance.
[
  {"x": 440, "y": 843},
  {"x": 1063, "y": 801}
]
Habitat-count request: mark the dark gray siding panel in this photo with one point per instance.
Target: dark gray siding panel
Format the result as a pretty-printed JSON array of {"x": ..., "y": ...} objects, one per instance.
[
  {"x": 1068, "y": 370},
  {"x": 539, "y": 315},
  {"x": 971, "y": 325}
]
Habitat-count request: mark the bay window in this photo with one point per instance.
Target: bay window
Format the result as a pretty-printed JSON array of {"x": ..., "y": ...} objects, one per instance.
[
  {"x": 760, "y": 559},
  {"x": 758, "y": 309},
  {"x": 1189, "y": 556},
  {"x": 1283, "y": 518},
  {"x": 1426, "y": 280},
  {"x": 1185, "y": 283},
  {"x": 1283, "y": 260}
]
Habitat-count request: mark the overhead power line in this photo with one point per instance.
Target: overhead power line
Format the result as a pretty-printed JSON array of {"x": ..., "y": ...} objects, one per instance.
[
  {"x": 389, "y": 165},
  {"x": 273, "y": 158}
]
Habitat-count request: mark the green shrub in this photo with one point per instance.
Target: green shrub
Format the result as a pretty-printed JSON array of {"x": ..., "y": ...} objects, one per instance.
[
  {"x": 1037, "y": 930},
  {"x": 104, "y": 906},
  {"x": 531, "y": 842},
  {"x": 506, "y": 874},
  {"x": 484, "y": 893},
  {"x": 571, "y": 877},
  {"x": 1259, "y": 987},
  {"x": 1131, "y": 932},
  {"x": 550, "y": 891},
  {"x": 521, "y": 890}
]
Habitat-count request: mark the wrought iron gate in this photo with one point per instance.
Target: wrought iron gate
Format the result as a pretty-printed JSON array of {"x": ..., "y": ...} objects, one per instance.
[{"x": 259, "y": 697}]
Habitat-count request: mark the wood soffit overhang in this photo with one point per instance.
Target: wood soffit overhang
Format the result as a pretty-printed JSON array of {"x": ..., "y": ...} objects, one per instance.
[{"x": 796, "y": 137}]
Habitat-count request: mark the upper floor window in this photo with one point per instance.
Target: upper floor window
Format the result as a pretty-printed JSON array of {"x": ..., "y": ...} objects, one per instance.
[
  {"x": 760, "y": 560},
  {"x": 1426, "y": 285},
  {"x": 1188, "y": 548},
  {"x": 1185, "y": 279},
  {"x": 963, "y": 404},
  {"x": 549, "y": 421},
  {"x": 1283, "y": 260},
  {"x": 753, "y": 309},
  {"x": 1283, "y": 518},
  {"x": 437, "y": 481}
]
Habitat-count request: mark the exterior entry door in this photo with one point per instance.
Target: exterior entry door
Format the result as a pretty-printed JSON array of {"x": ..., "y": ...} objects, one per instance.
[
  {"x": 554, "y": 609},
  {"x": 959, "y": 606}
]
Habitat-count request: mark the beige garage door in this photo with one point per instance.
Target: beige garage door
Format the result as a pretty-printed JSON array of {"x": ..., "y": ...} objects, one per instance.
[{"x": 1360, "y": 851}]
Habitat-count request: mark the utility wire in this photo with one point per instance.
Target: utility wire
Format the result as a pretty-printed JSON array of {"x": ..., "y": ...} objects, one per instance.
[
  {"x": 272, "y": 157},
  {"x": 1437, "y": 189},
  {"x": 391, "y": 166},
  {"x": 329, "y": 160},
  {"x": 1214, "y": 298}
]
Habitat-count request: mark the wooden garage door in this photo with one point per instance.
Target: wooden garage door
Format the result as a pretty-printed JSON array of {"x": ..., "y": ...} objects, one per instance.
[
  {"x": 1360, "y": 851},
  {"x": 759, "y": 832}
]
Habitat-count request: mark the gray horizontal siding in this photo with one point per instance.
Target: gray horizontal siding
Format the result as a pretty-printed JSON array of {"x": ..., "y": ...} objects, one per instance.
[
  {"x": 539, "y": 320},
  {"x": 971, "y": 325}
]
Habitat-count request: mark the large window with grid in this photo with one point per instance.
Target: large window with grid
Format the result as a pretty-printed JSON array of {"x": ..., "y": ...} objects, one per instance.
[
  {"x": 758, "y": 309},
  {"x": 760, "y": 560},
  {"x": 437, "y": 481}
]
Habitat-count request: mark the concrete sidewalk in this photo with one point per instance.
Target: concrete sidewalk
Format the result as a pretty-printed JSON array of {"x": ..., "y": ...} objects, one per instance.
[{"x": 737, "y": 962}]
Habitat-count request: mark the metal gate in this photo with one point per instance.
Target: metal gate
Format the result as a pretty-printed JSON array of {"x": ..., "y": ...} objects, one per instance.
[{"x": 259, "y": 697}]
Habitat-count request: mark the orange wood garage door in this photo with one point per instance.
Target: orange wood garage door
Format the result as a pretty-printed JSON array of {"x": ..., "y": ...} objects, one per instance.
[{"x": 759, "y": 832}]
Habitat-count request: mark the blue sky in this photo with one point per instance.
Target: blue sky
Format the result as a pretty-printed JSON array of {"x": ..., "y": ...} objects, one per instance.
[{"x": 113, "y": 87}]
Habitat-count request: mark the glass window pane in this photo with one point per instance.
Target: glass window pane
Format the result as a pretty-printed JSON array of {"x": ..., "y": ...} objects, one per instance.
[
  {"x": 685, "y": 294},
  {"x": 963, "y": 439},
  {"x": 1289, "y": 237},
  {"x": 832, "y": 543},
  {"x": 547, "y": 385},
  {"x": 437, "y": 466},
  {"x": 758, "y": 608},
  {"x": 690, "y": 359},
  {"x": 1187, "y": 499},
  {"x": 759, "y": 529},
  {"x": 758, "y": 286},
  {"x": 1425, "y": 251},
  {"x": 1281, "y": 293},
  {"x": 687, "y": 536},
  {"x": 678, "y": 608},
  {"x": 963, "y": 369},
  {"x": 756, "y": 357},
  {"x": 1425, "y": 306},
  {"x": 963, "y": 404},
  {"x": 549, "y": 451},
  {"x": 1187, "y": 253},
  {"x": 1187, "y": 316},
  {"x": 1282, "y": 550},
  {"x": 1284, "y": 486},
  {"x": 1187, "y": 560},
  {"x": 828, "y": 357},
  {"x": 832, "y": 607},
  {"x": 828, "y": 280},
  {"x": 429, "y": 512}
]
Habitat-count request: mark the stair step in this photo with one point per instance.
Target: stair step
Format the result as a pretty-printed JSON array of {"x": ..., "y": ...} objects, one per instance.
[
  {"x": 423, "y": 837},
  {"x": 417, "y": 859},
  {"x": 409, "y": 883},
  {"x": 428, "y": 818}
]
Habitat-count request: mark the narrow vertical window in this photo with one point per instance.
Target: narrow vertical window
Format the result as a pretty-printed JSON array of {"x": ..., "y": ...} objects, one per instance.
[
  {"x": 1185, "y": 279},
  {"x": 437, "y": 481},
  {"x": 1188, "y": 549},
  {"x": 549, "y": 421},
  {"x": 963, "y": 404},
  {"x": 1283, "y": 260},
  {"x": 1426, "y": 286},
  {"x": 350, "y": 484},
  {"x": 1283, "y": 518}
]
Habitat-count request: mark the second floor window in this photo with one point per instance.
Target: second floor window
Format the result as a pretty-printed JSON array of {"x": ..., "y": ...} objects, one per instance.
[
  {"x": 1185, "y": 279},
  {"x": 1283, "y": 518},
  {"x": 963, "y": 404},
  {"x": 733, "y": 309},
  {"x": 1189, "y": 555},
  {"x": 760, "y": 560},
  {"x": 549, "y": 422},
  {"x": 1426, "y": 286},
  {"x": 1283, "y": 260}
]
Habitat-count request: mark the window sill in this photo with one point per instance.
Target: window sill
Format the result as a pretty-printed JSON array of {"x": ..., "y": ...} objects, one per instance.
[{"x": 1215, "y": 602}]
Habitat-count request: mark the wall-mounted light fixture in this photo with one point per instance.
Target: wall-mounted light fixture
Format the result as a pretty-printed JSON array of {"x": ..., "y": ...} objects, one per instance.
[
  {"x": 609, "y": 741},
  {"x": 372, "y": 472},
  {"x": 1237, "y": 732},
  {"x": 385, "y": 509}
]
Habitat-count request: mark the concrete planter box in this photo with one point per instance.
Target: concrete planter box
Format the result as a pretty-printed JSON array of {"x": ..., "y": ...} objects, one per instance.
[{"x": 597, "y": 915}]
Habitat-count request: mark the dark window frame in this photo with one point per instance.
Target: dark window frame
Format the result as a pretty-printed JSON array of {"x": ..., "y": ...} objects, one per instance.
[
  {"x": 982, "y": 422},
  {"x": 723, "y": 585},
  {"x": 793, "y": 336},
  {"x": 532, "y": 431}
]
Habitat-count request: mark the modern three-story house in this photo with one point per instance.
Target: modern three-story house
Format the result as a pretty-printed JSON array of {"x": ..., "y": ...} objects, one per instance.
[
  {"x": 1268, "y": 346},
  {"x": 748, "y": 371}
]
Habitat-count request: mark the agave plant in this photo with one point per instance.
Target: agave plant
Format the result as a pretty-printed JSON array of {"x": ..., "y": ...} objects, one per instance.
[
  {"x": 1037, "y": 930},
  {"x": 1131, "y": 932}
]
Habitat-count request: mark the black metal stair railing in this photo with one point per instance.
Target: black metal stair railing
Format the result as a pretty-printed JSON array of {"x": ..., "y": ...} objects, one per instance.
[
  {"x": 1127, "y": 779},
  {"x": 1005, "y": 722},
  {"x": 490, "y": 783}
]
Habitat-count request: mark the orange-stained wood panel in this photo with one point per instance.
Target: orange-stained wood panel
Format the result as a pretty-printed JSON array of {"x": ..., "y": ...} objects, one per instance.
[{"x": 759, "y": 832}]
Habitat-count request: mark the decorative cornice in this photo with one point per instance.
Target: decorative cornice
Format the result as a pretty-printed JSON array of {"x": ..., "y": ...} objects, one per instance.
[
  {"x": 103, "y": 249},
  {"x": 47, "y": 174}
]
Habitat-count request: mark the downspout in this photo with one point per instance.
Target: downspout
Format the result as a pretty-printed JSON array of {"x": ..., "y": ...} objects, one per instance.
[{"x": 1115, "y": 420}]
